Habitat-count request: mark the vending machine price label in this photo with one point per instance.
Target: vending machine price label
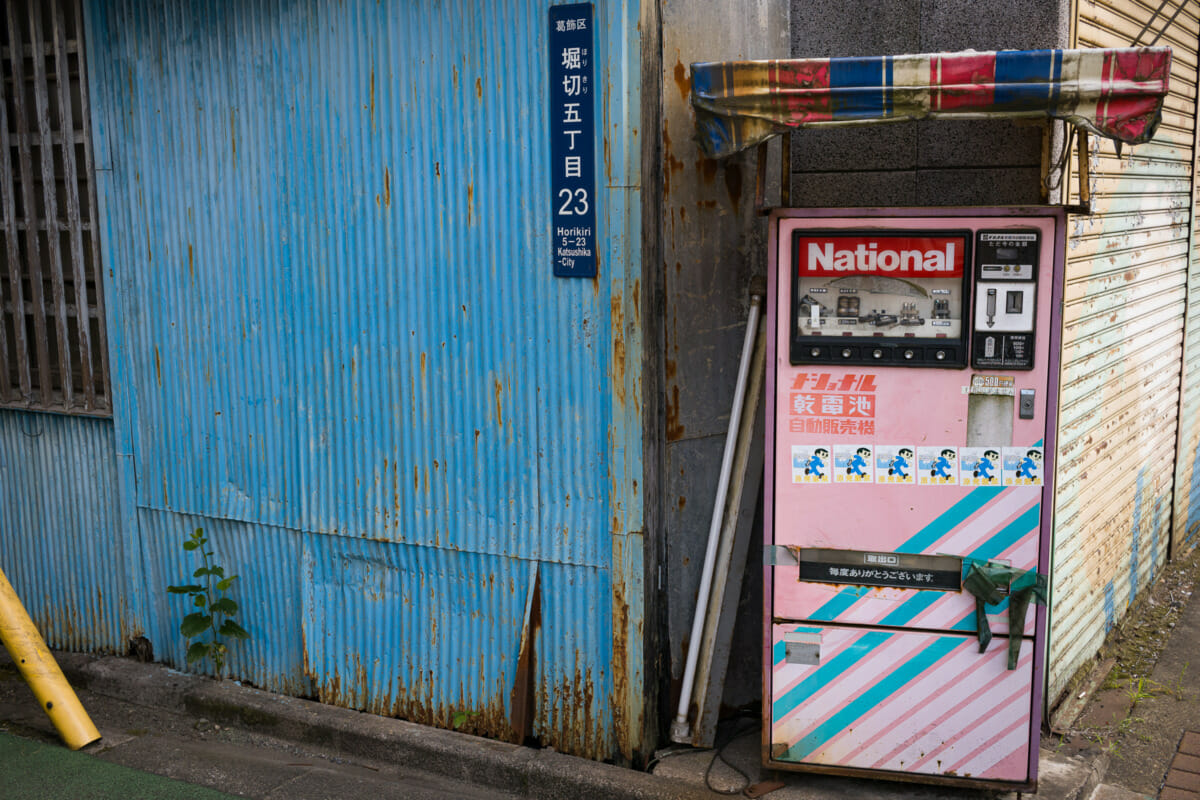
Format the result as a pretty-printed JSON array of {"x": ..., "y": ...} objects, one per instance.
[{"x": 572, "y": 141}]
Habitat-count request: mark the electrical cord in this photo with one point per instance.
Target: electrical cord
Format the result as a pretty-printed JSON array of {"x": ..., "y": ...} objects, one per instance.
[{"x": 748, "y": 725}]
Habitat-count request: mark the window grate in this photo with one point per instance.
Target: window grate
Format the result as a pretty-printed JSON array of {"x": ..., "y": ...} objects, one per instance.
[{"x": 53, "y": 354}]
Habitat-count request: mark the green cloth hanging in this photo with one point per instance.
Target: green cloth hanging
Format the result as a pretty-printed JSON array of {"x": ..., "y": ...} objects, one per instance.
[{"x": 986, "y": 580}]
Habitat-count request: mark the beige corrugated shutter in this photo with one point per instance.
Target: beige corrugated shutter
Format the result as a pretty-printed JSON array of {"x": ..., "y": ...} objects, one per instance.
[
  {"x": 1187, "y": 476},
  {"x": 1125, "y": 304}
]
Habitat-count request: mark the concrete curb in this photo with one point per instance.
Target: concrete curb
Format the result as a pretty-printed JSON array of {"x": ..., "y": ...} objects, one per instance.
[
  {"x": 1074, "y": 777},
  {"x": 506, "y": 767}
]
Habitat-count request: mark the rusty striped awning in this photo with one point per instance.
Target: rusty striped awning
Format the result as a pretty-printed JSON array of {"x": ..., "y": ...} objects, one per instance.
[{"x": 1115, "y": 93}]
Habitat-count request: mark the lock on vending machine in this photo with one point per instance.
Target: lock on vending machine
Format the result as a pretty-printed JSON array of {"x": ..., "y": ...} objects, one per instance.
[{"x": 913, "y": 357}]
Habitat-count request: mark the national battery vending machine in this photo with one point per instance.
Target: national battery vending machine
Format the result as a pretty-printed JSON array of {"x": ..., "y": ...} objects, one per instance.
[{"x": 912, "y": 390}]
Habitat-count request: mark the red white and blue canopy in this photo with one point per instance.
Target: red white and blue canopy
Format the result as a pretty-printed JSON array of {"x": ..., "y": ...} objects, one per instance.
[{"x": 1114, "y": 93}]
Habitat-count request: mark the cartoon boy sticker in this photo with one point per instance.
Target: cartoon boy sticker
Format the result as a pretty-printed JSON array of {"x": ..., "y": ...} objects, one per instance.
[
  {"x": 941, "y": 465},
  {"x": 1023, "y": 466},
  {"x": 1029, "y": 465},
  {"x": 937, "y": 466},
  {"x": 985, "y": 465},
  {"x": 858, "y": 462},
  {"x": 899, "y": 465},
  {"x": 816, "y": 463},
  {"x": 852, "y": 463}
]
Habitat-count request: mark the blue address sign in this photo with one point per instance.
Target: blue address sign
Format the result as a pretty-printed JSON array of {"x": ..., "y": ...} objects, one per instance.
[{"x": 573, "y": 141}]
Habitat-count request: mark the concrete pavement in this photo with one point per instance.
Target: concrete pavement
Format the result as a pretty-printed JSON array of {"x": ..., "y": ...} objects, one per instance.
[
  {"x": 245, "y": 742},
  {"x": 256, "y": 744}
]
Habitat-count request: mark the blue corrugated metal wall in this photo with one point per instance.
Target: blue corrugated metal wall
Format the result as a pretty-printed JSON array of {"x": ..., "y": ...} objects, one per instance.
[
  {"x": 339, "y": 348},
  {"x": 61, "y": 540}
]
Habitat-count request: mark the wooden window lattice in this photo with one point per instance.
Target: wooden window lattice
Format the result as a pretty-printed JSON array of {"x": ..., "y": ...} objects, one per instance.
[{"x": 53, "y": 355}]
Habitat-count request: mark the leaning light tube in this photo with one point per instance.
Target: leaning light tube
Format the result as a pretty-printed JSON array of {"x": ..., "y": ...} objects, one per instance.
[
  {"x": 41, "y": 671},
  {"x": 680, "y": 729}
]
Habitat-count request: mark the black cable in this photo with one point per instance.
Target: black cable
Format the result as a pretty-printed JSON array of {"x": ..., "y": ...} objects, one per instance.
[
  {"x": 738, "y": 733},
  {"x": 1059, "y": 167}
]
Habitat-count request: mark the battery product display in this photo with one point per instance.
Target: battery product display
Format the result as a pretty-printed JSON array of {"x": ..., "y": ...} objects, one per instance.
[{"x": 871, "y": 296}]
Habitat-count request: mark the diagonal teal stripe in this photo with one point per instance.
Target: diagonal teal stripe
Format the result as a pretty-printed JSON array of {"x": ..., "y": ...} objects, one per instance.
[
  {"x": 872, "y": 697},
  {"x": 911, "y": 607},
  {"x": 827, "y": 672},
  {"x": 1005, "y": 538},
  {"x": 845, "y": 598},
  {"x": 950, "y": 519}
]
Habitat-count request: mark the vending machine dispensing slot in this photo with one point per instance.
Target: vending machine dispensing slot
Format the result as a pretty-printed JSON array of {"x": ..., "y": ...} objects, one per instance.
[{"x": 909, "y": 438}]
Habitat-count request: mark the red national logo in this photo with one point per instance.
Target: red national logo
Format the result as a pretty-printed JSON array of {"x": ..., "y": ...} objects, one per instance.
[{"x": 864, "y": 254}]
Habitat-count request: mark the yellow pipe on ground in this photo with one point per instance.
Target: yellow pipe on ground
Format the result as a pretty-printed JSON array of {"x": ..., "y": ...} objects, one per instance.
[{"x": 39, "y": 669}]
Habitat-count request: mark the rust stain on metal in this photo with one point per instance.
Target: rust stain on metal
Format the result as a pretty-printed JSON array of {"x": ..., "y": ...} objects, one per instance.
[
  {"x": 618, "y": 355},
  {"x": 497, "y": 389},
  {"x": 372, "y": 95},
  {"x": 470, "y": 201},
  {"x": 387, "y": 187},
  {"x": 707, "y": 167},
  {"x": 622, "y": 731},
  {"x": 683, "y": 80},
  {"x": 233, "y": 132},
  {"x": 673, "y": 165},
  {"x": 157, "y": 365},
  {"x": 674, "y": 429},
  {"x": 607, "y": 161},
  {"x": 479, "y": 88},
  {"x": 191, "y": 264}
]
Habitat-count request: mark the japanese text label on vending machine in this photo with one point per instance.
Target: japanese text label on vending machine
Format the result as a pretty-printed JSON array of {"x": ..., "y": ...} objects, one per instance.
[{"x": 880, "y": 297}]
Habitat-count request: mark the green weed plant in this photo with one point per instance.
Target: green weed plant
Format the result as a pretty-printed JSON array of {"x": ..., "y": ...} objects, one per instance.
[{"x": 208, "y": 627}]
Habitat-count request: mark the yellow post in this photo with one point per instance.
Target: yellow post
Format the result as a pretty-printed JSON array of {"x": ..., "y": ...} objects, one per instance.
[{"x": 41, "y": 671}]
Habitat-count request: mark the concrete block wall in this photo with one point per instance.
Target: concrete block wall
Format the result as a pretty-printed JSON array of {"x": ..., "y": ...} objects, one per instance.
[{"x": 984, "y": 162}]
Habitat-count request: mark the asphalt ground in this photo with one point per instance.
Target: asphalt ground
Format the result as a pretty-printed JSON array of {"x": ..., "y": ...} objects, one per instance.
[{"x": 169, "y": 734}]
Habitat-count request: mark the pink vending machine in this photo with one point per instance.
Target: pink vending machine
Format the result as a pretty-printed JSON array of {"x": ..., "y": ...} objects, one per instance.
[{"x": 912, "y": 392}]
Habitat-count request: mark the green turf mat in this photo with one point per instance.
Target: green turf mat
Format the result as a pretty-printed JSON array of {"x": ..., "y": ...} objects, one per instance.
[{"x": 31, "y": 770}]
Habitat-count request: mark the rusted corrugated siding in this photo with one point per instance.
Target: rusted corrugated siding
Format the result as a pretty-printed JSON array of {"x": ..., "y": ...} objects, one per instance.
[
  {"x": 61, "y": 538},
  {"x": 345, "y": 355},
  {"x": 1123, "y": 318}
]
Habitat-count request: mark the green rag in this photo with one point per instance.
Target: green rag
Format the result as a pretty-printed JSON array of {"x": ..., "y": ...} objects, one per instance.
[{"x": 984, "y": 580}]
